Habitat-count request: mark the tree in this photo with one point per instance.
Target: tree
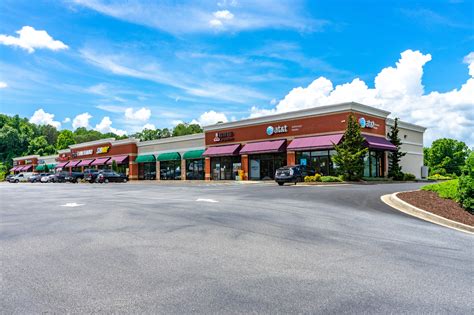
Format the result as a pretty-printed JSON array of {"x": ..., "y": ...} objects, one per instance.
[
  {"x": 466, "y": 185},
  {"x": 114, "y": 166},
  {"x": 165, "y": 133},
  {"x": 394, "y": 157},
  {"x": 65, "y": 139},
  {"x": 46, "y": 168},
  {"x": 148, "y": 134},
  {"x": 40, "y": 146},
  {"x": 51, "y": 133},
  {"x": 447, "y": 155},
  {"x": 186, "y": 129},
  {"x": 350, "y": 152}
]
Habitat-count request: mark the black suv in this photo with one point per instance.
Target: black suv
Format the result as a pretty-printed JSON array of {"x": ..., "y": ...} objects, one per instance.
[
  {"x": 111, "y": 176},
  {"x": 293, "y": 174},
  {"x": 90, "y": 175}
]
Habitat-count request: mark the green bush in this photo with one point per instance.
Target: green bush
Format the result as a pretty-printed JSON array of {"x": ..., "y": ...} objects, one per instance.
[
  {"x": 315, "y": 178},
  {"x": 439, "y": 171},
  {"x": 466, "y": 185},
  {"x": 328, "y": 179},
  {"x": 408, "y": 176},
  {"x": 447, "y": 189},
  {"x": 439, "y": 177}
]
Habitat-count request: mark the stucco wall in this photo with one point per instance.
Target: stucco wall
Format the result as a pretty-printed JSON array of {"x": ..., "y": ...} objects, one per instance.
[{"x": 177, "y": 144}]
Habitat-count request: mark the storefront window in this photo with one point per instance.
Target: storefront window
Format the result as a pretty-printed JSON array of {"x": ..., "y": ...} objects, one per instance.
[
  {"x": 225, "y": 167},
  {"x": 374, "y": 164},
  {"x": 170, "y": 170},
  {"x": 195, "y": 169},
  {"x": 263, "y": 166},
  {"x": 147, "y": 170},
  {"x": 318, "y": 160}
]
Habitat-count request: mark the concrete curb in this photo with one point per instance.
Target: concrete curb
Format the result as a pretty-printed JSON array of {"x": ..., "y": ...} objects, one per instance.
[{"x": 393, "y": 201}]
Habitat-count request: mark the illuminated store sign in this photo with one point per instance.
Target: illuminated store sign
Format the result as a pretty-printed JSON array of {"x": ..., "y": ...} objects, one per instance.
[
  {"x": 224, "y": 136},
  {"x": 278, "y": 129},
  {"x": 366, "y": 123},
  {"x": 84, "y": 152},
  {"x": 101, "y": 150}
]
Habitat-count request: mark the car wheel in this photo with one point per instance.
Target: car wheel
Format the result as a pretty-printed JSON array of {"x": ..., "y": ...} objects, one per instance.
[
  {"x": 106, "y": 180},
  {"x": 16, "y": 180},
  {"x": 280, "y": 183},
  {"x": 124, "y": 180}
]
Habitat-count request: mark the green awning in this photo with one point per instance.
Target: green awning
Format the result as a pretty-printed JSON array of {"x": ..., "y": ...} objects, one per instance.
[
  {"x": 194, "y": 154},
  {"x": 51, "y": 166},
  {"x": 145, "y": 158},
  {"x": 171, "y": 156},
  {"x": 40, "y": 167}
]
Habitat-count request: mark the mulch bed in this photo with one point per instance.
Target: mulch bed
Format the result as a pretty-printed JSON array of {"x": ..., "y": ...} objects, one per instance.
[{"x": 431, "y": 202}]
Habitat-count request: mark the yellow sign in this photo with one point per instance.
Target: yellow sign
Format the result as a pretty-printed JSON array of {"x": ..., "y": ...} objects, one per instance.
[{"x": 102, "y": 150}]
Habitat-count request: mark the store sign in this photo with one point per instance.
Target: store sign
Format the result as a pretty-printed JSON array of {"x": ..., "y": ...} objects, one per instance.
[
  {"x": 82, "y": 153},
  {"x": 41, "y": 162},
  {"x": 275, "y": 130},
  {"x": 28, "y": 161},
  {"x": 224, "y": 136},
  {"x": 101, "y": 150},
  {"x": 366, "y": 123}
]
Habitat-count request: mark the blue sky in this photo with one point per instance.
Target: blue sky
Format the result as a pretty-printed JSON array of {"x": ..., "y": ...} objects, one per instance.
[{"x": 157, "y": 63}]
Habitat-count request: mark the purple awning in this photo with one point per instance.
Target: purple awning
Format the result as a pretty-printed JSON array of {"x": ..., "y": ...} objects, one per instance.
[
  {"x": 74, "y": 163},
  {"x": 223, "y": 150},
  {"x": 375, "y": 142},
  {"x": 85, "y": 162},
  {"x": 62, "y": 164},
  {"x": 316, "y": 142},
  {"x": 264, "y": 147},
  {"x": 100, "y": 161},
  {"x": 26, "y": 168},
  {"x": 12, "y": 169},
  {"x": 121, "y": 159}
]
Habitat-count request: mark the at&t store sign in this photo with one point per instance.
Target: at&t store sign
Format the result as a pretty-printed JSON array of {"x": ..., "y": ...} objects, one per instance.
[
  {"x": 367, "y": 123},
  {"x": 275, "y": 130}
]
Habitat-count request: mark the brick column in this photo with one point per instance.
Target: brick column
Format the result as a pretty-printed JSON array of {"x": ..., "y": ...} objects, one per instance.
[
  {"x": 157, "y": 170},
  {"x": 132, "y": 169},
  {"x": 207, "y": 168},
  {"x": 183, "y": 169},
  {"x": 290, "y": 158},
  {"x": 245, "y": 166}
]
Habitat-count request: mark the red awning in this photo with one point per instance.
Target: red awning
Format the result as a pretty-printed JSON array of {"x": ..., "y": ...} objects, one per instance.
[
  {"x": 85, "y": 162},
  {"x": 223, "y": 150},
  {"x": 74, "y": 163},
  {"x": 316, "y": 142},
  {"x": 121, "y": 159},
  {"x": 100, "y": 161},
  {"x": 62, "y": 164},
  {"x": 264, "y": 147},
  {"x": 13, "y": 168},
  {"x": 381, "y": 143},
  {"x": 26, "y": 168}
]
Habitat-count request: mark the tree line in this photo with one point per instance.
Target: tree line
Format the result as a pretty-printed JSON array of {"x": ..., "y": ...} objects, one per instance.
[{"x": 19, "y": 137}]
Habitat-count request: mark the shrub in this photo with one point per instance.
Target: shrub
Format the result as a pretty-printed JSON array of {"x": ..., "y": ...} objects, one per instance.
[
  {"x": 466, "y": 185},
  {"x": 327, "y": 179},
  {"x": 439, "y": 171},
  {"x": 315, "y": 178},
  {"x": 447, "y": 189},
  {"x": 408, "y": 176},
  {"x": 439, "y": 177}
]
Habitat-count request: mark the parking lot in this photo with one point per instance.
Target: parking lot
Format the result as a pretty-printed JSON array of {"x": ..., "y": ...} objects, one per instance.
[{"x": 225, "y": 248}]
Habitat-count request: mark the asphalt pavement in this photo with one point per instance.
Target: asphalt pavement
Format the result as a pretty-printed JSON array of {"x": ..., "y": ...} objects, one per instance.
[{"x": 225, "y": 248}]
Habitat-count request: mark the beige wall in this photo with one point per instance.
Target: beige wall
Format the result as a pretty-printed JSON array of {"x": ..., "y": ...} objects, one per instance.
[
  {"x": 175, "y": 144},
  {"x": 412, "y": 144}
]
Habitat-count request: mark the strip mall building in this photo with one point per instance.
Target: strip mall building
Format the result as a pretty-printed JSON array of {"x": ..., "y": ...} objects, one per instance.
[{"x": 256, "y": 147}]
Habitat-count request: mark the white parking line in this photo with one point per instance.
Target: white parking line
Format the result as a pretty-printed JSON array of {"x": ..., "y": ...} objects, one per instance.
[
  {"x": 72, "y": 204},
  {"x": 206, "y": 200}
]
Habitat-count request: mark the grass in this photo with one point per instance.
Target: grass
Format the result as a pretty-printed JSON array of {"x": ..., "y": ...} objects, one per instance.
[{"x": 447, "y": 189}]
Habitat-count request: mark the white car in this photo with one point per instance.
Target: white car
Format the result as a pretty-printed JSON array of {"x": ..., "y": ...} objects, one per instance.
[
  {"x": 22, "y": 177},
  {"x": 47, "y": 179}
]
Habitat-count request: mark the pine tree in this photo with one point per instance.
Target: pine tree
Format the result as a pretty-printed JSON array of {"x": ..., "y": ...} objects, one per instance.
[
  {"x": 46, "y": 168},
  {"x": 394, "y": 157},
  {"x": 114, "y": 166},
  {"x": 350, "y": 152}
]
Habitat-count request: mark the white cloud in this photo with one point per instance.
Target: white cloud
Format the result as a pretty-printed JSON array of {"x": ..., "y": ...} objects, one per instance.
[
  {"x": 142, "y": 114},
  {"x": 3, "y": 85},
  {"x": 30, "y": 39},
  {"x": 81, "y": 120},
  {"x": 399, "y": 90},
  {"x": 215, "y": 23},
  {"x": 66, "y": 120},
  {"x": 149, "y": 126},
  {"x": 105, "y": 126},
  {"x": 40, "y": 117},
  {"x": 223, "y": 15},
  {"x": 210, "y": 118}
]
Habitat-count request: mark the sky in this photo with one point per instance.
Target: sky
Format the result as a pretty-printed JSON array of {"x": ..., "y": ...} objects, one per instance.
[{"x": 122, "y": 66}]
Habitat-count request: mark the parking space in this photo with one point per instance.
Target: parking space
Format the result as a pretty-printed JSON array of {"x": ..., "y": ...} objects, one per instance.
[{"x": 225, "y": 248}]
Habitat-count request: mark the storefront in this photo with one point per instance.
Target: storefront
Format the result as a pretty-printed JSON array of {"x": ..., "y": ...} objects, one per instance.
[
  {"x": 194, "y": 164},
  {"x": 170, "y": 166},
  {"x": 24, "y": 164},
  {"x": 258, "y": 146},
  {"x": 146, "y": 167}
]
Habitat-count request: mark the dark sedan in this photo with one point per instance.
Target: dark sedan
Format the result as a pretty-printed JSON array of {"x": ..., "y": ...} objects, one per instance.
[
  {"x": 106, "y": 177},
  {"x": 293, "y": 174}
]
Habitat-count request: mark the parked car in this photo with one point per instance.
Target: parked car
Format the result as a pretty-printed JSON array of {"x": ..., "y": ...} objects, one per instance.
[
  {"x": 22, "y": 177},
  {"x": 90, "y": 175},
  {"x": 58, "y": 177},
  {"x": 105, "y": 177},
  {"x": 293, "y": 174},
  {"x": 49, "y": 178},
  {"x": 36, "y": 178},
  {"x": 7, "y": 178},
  {"x": 74, "y": 177}
]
